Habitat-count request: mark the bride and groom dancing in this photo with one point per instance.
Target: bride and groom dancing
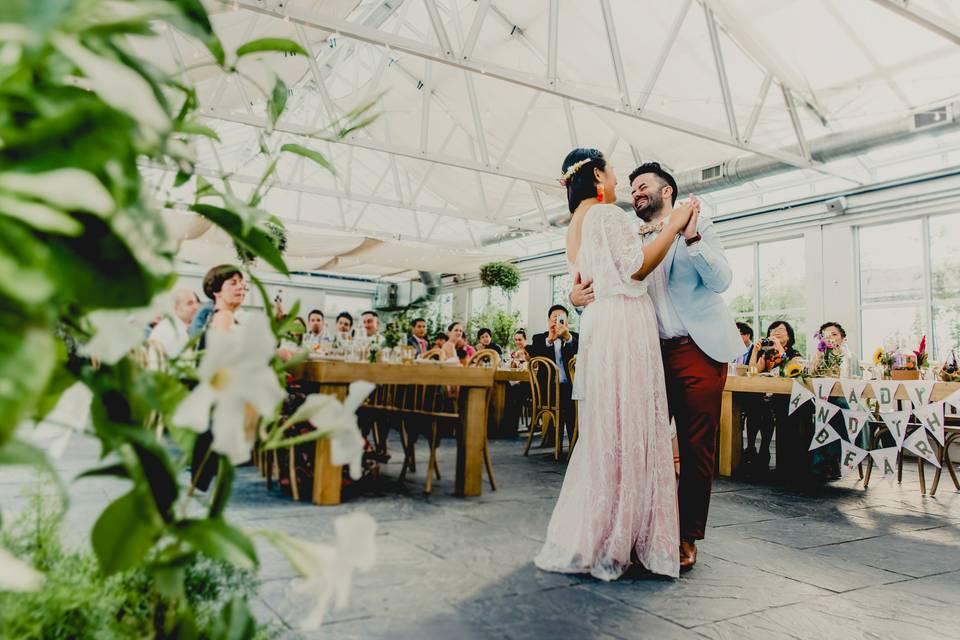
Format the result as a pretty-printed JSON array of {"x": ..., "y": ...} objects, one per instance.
[{"x": 655, "y": 339}]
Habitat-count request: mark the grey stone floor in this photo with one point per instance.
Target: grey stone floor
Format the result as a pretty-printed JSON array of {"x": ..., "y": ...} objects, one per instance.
[{"x": 842, "y": 563}]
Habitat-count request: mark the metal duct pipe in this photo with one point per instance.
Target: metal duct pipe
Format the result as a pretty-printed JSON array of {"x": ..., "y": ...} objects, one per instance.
[{"x": 736, "y": 171}]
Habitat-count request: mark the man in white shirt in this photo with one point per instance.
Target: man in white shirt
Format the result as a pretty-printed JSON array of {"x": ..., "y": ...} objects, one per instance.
[
  {"x": 171, "y": 332},
  {"x": 371, "y": 328},
  {"x": 316, "y": 330}
]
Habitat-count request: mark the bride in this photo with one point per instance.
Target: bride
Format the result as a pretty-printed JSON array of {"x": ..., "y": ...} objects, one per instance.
[{"x": 618, "y": 502}]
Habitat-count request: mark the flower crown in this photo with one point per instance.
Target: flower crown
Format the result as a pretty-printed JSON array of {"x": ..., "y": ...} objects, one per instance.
[{"x": 565, "y": 178}]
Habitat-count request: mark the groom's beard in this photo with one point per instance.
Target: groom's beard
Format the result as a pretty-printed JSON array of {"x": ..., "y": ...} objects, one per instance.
[{"x": 650, "y": 208}]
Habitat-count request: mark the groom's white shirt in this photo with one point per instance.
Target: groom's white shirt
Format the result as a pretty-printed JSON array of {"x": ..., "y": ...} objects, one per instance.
[{"x": 668, "y": 321}]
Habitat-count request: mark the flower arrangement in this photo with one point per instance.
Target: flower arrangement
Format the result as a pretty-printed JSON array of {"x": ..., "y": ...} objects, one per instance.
[
  {"x": 830, "y": 360},
  {"x": 793, "y": 370},
  {"x": 951, "y": 370},
  {"x": 503, "y": 275},
  {"x": 923, "y": 360}
]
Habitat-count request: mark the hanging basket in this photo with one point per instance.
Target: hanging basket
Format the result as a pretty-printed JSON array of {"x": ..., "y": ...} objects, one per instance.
[{"x": 502, "y": 275}]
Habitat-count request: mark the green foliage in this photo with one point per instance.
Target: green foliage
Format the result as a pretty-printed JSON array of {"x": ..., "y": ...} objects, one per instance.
[
  {"x": 79, "y": 601},
  {"x": 501, "y": 325},
  {"x": 504, "y": 275}
]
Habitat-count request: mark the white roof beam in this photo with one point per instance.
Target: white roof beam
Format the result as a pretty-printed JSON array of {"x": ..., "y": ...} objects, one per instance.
[
  {"x": 553, "y": 41},
  {"x": 571, "y": 127},
  {"x": 478, "y": 129},
  {"x": 426, "y": 90},
  {"x": 758, "y": 107},
  {"x": 721, "y": 73},
  {"x": 471, "y": 42},
  {"x": 927, "y": 19},
  {"x": 421, "y": 50},
  {"x": 795, "y": 121},
  {"x": 661, "y": 59},
  {"x": 614, "y": 43},
  {"x": 438, "y": 28},
  {"x": 518, "y": 128},
  {"x": 328, "y": 105}
]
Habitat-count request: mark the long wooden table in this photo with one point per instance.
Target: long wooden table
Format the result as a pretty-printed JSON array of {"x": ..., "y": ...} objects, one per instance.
[
  {"x": 731, "y": 438},
  {"x": 334, "y": 378}
]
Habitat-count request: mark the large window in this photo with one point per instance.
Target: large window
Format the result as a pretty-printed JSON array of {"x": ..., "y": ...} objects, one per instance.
[
  {"x": 769, "y": 283},
  {"x": 483, "y": 298},
  {"x": 910, "y": 284}
]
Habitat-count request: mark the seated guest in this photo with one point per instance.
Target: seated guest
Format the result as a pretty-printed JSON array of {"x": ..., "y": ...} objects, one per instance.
[
  {"x": 371, "y": 328},
  {"x": 171, "y": 332},
  {"x": 771, "y": 353},
  {"x": 439, "y": 340},
  {"x": 485, "y": 341},
  {"x": 226, "y": 287},
  {"x": 456, "y": 346},
  {"x": 834, "y": 338},
  {"x": 417, "y": 340},
  {"x": 316, "y": 330},
  {"x": 519, "y": 354},
  {"x": 746, "y": 334},
  {"x": 560, "y": 345},
  {"x": 344, "y": 326}
]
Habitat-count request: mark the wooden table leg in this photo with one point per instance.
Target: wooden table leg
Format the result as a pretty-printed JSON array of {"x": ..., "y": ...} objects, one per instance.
[
  {"x": 731, "y": 440},
  {"x": 470, "y": 443},
  {"x": 498, "y": 403},
  {"x": 327, "y": 476}
]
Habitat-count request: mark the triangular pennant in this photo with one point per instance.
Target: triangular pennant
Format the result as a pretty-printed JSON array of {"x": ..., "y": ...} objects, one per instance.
[
  {"x": 897, "y": 425},
  {"x": 823, "y": 386},
  {"x": 885, "y": 392},
  {"x": 931, "y": 417},
  {"x": 822, "y": 435},
  {"x": 885, "y": 459},
  {"x": 823, "y": 412},
  {"x": 919, "y": 391},
  {"x": 853, "y": 392},
  {"x": 850, "y": 456},
  {"x": 954, "y": 401},
  {"x": 917, "y": 443},
  {"x": 855, "y": 421},
  {"x": 799, "y": 394}
]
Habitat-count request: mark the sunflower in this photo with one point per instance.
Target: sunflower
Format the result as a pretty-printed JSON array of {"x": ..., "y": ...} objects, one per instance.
[
  {"x": 792, "y": 370},
  {"x": 878, "y": 355}
]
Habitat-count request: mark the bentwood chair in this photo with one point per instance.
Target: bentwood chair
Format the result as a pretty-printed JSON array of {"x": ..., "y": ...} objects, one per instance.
[
  {"x": 487, "y": 358},
  {"x": 951, "y": 434},
  {"x": 484, "y": 358},
  {"x": 571, "y": 372},
  {"x": 545, "y": 394},
  {"x": 882, "y": 429},
  {"x": 411, "y": 398}
]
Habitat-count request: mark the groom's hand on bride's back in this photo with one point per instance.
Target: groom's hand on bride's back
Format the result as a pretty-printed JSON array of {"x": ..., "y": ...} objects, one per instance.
[{"x": 582, "y": 293}]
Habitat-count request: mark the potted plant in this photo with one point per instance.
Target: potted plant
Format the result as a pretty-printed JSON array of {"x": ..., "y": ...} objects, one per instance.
[{"x": 503, "y": 275}]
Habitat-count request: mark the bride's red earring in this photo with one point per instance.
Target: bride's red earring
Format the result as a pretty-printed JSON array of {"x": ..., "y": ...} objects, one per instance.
[{"x": 600, "y": 192}]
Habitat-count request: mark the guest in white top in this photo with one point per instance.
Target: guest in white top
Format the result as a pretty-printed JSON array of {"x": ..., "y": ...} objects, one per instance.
[
  {"x": 371, "y": 328},
  {"x": 171, "y": 332},
  {"x": 316, "y": 329}
]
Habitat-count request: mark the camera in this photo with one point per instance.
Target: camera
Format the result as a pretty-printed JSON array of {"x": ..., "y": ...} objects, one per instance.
[{"x": 561, "y": 320}]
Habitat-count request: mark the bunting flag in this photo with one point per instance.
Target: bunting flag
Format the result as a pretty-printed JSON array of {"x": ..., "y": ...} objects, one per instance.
[
  {"x": 919, "y": 391},
  {"x": 897, "y": 425},
  {"x": 931, "y": 417},
  {"x": 799, "y": 394},
  {"x": 954, "y": 401},
  {"x": 823, "y": 433},
  {"x": 917, "y": 443},
  {"x": 855, "y": 421},
  {"x": 853, "y": 392},
  {"x": 885, "y": 459},
  {"x": 850, "y": 456},
  {"x": 886, "y": 394},
  {"x": 823, "y": 386}
]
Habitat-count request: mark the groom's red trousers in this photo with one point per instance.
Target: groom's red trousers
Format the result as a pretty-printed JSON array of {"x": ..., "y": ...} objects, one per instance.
[{"x": 694, "y": 391}]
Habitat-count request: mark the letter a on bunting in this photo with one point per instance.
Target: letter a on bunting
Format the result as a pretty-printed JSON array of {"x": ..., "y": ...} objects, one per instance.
[{"x": 798, "y": 395}]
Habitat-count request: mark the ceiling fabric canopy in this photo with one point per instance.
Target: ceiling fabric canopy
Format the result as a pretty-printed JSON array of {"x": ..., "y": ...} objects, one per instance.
[{"x": 480, "y": 100}]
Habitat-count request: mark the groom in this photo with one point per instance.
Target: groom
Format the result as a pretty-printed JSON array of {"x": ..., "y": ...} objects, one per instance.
[{"x": 697, "y": 338}]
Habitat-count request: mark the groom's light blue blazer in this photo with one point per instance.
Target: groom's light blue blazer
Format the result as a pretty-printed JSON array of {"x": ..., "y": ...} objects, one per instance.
[{"x": 697, "y": 275}]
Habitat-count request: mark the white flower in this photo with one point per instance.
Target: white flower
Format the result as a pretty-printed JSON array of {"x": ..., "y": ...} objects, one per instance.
[
  {"x": 17, "y": 575},
  {"x": 327, "y": 570},
  {"x": 234, "y": 372},
  {"x": 339, "y": 421},
  {"x": 118, "y": 331}
]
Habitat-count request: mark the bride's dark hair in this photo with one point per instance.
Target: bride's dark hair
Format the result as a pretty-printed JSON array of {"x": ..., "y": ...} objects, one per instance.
[{"x": 581, "y": 184}]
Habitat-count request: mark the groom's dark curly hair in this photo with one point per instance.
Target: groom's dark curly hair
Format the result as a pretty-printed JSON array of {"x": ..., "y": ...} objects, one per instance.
[{"x": 660, "y": 172}]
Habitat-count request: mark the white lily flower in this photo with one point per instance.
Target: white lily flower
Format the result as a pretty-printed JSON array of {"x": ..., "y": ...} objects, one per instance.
[
  {"x": 327, "y": 570},
  {"x": 234, "y": 372},
  {"x": 17, "y": 575},
  {"x": 339, "y": 421},
  {"x": 118, "y": 331}
]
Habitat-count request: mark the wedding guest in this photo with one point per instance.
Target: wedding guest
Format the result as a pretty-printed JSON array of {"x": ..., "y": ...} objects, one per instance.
[
  {"x": 746, "y": 334},
  {"x": 345, "y": 325},
  {"x": 774, "y": 351},
  {"x": 560, "y": 345},
  {"x": 485, "y": 341},
  {"x": 439, "y": 340},
  {"x": 315, "y": 332},
  {"x": 171, "y": 333},
  {"x": 371, "y": 328},
  {"x": 519, "y": 354},
  {"x": 418, "y": 332},
  {"x": 456, "y": 346}
]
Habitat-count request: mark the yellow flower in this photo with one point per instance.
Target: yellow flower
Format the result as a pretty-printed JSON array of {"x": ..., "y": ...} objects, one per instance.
[
  {"x": 792, "y": 370},
  {"x": 878, "y": 355}
]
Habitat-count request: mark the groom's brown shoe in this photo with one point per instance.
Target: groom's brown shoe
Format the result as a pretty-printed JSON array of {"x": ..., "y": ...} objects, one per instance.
[{"x": 688, "y": 555}]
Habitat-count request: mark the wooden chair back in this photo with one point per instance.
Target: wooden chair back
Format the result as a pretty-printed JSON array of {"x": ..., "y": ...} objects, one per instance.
[
  {"x": 433, "y": 354},
  {"x": 484, "y": 358}
]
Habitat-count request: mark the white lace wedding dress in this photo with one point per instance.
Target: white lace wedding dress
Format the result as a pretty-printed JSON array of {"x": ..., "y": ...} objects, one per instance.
[{"x": 618, "y": 501}]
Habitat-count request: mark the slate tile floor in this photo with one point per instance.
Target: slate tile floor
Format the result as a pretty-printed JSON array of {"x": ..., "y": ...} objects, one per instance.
[{"x": 839, "y": 563}]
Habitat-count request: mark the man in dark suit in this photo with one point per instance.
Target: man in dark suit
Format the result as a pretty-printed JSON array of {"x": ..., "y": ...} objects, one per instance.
[
  {"x": 560, "y": 345},
  {"x": 417, "y": 340}
]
